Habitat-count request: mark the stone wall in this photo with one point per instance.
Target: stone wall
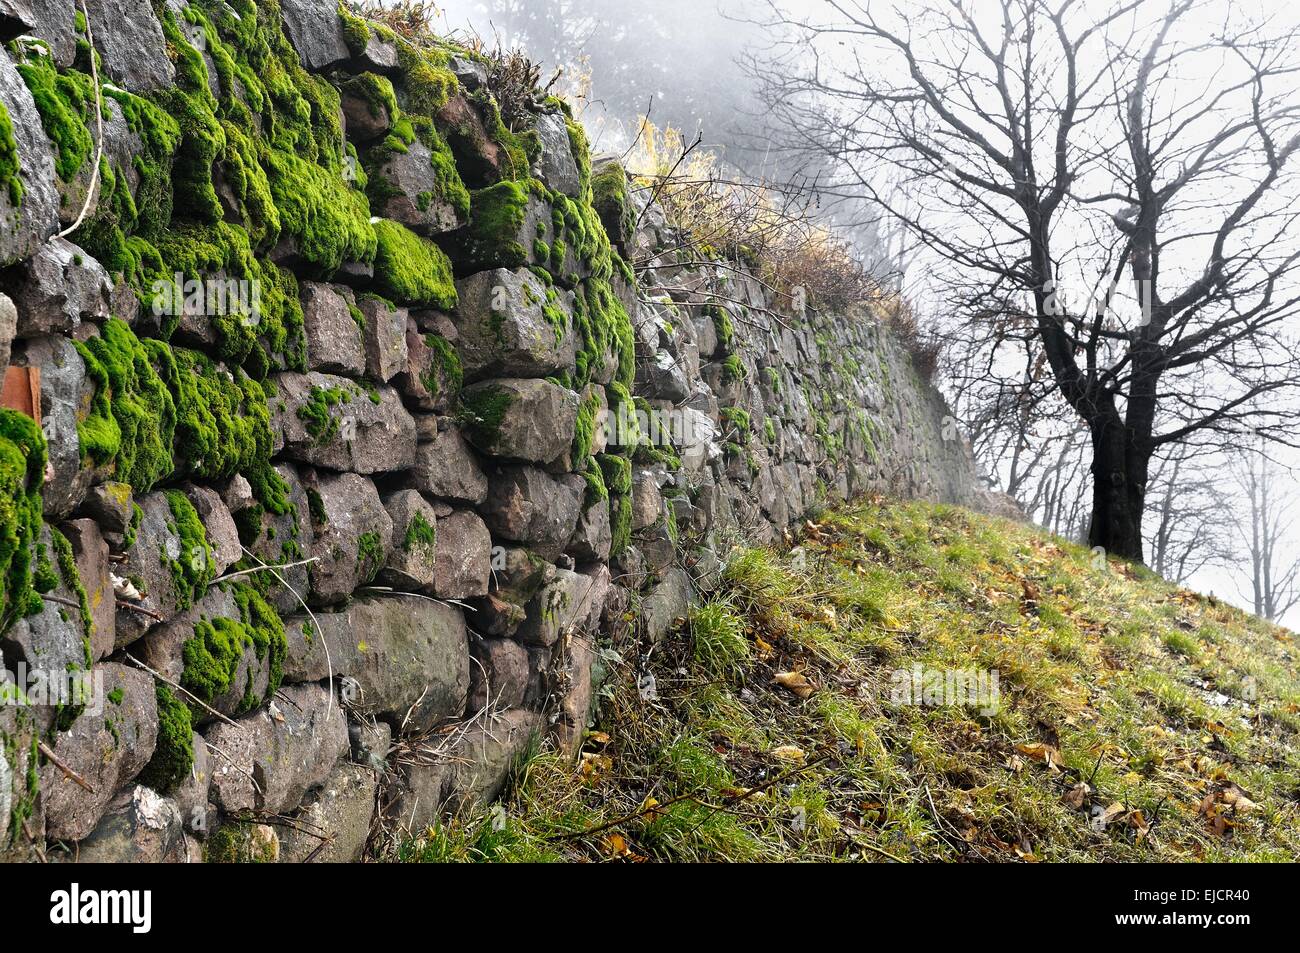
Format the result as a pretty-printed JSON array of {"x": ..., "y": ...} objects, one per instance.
[{"x": 365, "y": 411}]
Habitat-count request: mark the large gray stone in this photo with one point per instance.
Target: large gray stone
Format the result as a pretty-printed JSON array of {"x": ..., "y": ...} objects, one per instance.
[
  {"x": 525, "y": 419},
  {"x": 471, "y": 770},
  {"x": 462, "y": 561},
  {"x": 412, "y": 192},
  {"x": 65, "y": 396},
  {"x": 410, "y": 564},
  {"x": 500, "y": 677},
  {"x": 218, "y": 525},
  {"x": 26, "y": 223},
  {"x": 384, "y": 333},
  {"x": 431, "y": 378},
  {"x": 335, "y": 342},
  {"x": 445, "y": 467},
  {"x": 593, "y": 537},
  {"x": 52, "y": 641},
  {"x": 334, "y": 823},
  {"x": 563, "y": 606},
  {"x": 555, "y": 165},
  {"x": 361, "y": 431},
  {"x": 140, "y": 826},
  {"x": 130, "y": 42},
  {"x": 59, "y": 287},
  {"x": 529, "y": 506},
  {"x": 404, "y": 658},
  {"x": 90, "y": 553},
  {"x": 275, "y": 539},
  {"x": 316, "y": 32},
  {"x": 268, "y": 760},
  {"x": 353, "y": 534},
  {"x": 106, "y": 746},
  {"x": 49, "y": 20},
  {"x": 509, "y": 328}
]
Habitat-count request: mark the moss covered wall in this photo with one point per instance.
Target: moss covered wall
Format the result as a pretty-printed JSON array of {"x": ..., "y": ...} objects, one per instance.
[{"x": 357, "y": 424}]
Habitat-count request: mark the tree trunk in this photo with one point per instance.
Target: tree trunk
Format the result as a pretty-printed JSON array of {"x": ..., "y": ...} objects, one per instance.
[{"x": 1119, "y": 477}]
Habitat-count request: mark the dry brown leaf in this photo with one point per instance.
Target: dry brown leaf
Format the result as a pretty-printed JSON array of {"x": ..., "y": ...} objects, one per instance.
[
  {"x": 795, "y": 682},
  {"x": 788, "y": 753}
]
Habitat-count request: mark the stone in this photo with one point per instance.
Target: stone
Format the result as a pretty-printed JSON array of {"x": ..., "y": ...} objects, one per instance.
[
  {"x": 563, "y": 604},
  {"x": 107, "y": 746},
  {"x": 663, "y": 378},
  {"x": 613, "y": 212},
  {"x": 140, "y": 826},
  {"x": 279, "y": 538},
  {"x": 218, "y": 525},
  {"x": 500, "y": 678},
  {"x": 335, "y": 341},
  {"x": 191, "y": 794},
  {"x": 27, "y": 221},
  {"x": 353, "y": 534},
  {"x": 592, "y": 538},
  {"x": 447, "y": 468},
  {"x": 647, "y": 501},
  {"x": 52, "y": 641},
  {"x": 525, "y": 419},
  {"x": 334, "y": 823},
  {"x": 65, "y": 396},
  {"x": 667, "y": 604},
  {"x": 50, "y": 20},
  {"x": 529, "y": 506},
  {"x": 471, "y": 771},
  {"x": 111, "y": 505},
  {"x": 574, "y": 684},
  {"x": 365, "y": 119},
  {"x": 555, "y": 164},
  {"x": 130, "y": 42},
  {"x": 413, "y": 192},
  {"x": 149, "y": 565},
  {"x": 463, "y": 558},
  {"x": 90, "y": 553},
  {"x": 410, "y": 564},
  {"x": 8, "y": 327},
  {"x": 316, "y": 32},
  {"x": 364, "y": 432},
  {"x": 508, "y": 328},
  {"x": 164, "y": 646},
  {"x": 288, "y": 748},
  {"x": 384, "y": 333},
  {"x": 432, "y": 376},
  {"x": 371, "y": 742},
  {"x": 479, "y": 158},
  {"x": 403, "y": 658}
]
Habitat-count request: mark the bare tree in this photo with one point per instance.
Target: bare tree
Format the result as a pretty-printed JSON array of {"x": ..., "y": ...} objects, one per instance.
[
  {"x": 1190, "y": 509},
  {"x": 1046, "y": 146},
  {"x": 1261, "y": 527}
]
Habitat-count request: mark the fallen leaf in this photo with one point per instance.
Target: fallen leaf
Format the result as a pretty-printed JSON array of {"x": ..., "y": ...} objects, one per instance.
[
  {"x": 788, "y": 753},
  {"x": 1040, "y": 751},
  {"x": 795, "y": 682}
]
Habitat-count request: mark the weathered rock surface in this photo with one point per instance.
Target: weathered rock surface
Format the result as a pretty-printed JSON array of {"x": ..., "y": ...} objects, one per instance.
[
  {"x": 140, "y": 826},
  {"x": 530, "y": 420},
  {"x": 331, "y": 422},
  {"x": 508, "y": 328},
  {"x": 353, "y": 534},
  {"x": 529, "y": 506},
  {"x": 272, "y": 758},
  {"x": 334, "y": 823}
]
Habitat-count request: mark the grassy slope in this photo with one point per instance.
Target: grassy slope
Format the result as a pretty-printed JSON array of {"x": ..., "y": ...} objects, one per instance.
[{"x": 1136, "y": 721}]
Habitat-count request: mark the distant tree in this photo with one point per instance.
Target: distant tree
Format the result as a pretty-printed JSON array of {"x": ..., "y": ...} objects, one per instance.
[
  {"x": 1273, "y": 577},
  {"x": 1047, "y": 145}
]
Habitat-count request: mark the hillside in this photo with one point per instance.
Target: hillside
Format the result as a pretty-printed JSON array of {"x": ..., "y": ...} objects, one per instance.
[{"x": 1135, "y": 721}]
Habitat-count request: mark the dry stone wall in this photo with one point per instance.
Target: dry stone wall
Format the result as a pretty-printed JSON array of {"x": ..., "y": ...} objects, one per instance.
[{"x": 365, "y": 411}]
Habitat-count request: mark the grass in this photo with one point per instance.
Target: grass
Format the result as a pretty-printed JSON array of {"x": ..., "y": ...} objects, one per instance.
[{"x": 806, "y": 712}]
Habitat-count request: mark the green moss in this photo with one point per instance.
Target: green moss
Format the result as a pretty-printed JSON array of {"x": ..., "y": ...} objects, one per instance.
[
  {"x": 411, "y": 269},
  {"x": 22, "y": 472},
  {"x": 732, "y": 369},
  {"x": 9, "y": 164},
  {"x": 64, "y": 100},
  {"x": 370, "y": 557},
  {"x": 605, "y": 328},
  {"x": 192, "y": 568},
  {"x": 133, "y": 528},
  {"x": 67, "y": 564},
  {"x": 213, "y": 655},
  {"x": 429, "y": 83},
  {"x": 173, "y": 756},
  {"x": 238, "y": 842},
  {"x": 420, "y": 534},
  {"x": 584, "y": 431},
  {"x": 610, "y": 198},
  {"x": 723, "y": 327},
  {"x": 318, "y": 412},
  {"x": 596, "y": 490},
  {"x": 446, "y": 369},
  {"x": 482, "y": 412},
  {"x": 356, "y": 32},
  {"x": 496, "y": 218},
  {"x": 737, "y": 418}
]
